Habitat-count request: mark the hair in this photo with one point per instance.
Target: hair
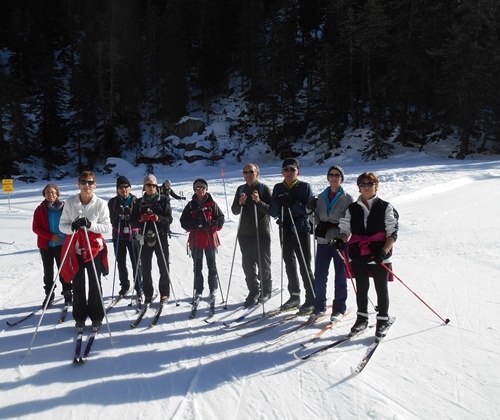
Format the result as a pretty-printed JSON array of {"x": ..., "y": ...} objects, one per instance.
[
  {"x": 254, "y": 165},
  {"x": 87, "y": 174},
  {"x": 367, "y": 175},
  {"x": 58, "y": 193},
  {"x": 200, "y": 180}
]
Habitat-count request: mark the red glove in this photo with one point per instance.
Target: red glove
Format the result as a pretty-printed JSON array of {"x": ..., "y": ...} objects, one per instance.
[{"x": 150, "y": 217}]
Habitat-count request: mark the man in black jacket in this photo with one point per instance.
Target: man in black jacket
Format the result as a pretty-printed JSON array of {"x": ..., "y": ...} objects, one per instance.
[{"x": 288, "y": 204}]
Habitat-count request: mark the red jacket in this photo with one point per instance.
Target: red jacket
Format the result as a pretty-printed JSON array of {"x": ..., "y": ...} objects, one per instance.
[
  {"x": 71, "y": 266},
  {"x": 41, "y": 226}
]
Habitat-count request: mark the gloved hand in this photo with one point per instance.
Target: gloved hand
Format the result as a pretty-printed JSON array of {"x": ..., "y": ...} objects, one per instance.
[
  {"x": 380, "y": 257},
  {"x": 201, "y": 222},
  {"x": 150, "y": 217},
  {"x": 312, "y": 204},
  {"x": 321, "y": 229},
  {"x": 209, "y": 225},
  {"x": 79, "y": 223},
  {"x": 284, "y": 199},
  {"x": 337, "y": 243}
]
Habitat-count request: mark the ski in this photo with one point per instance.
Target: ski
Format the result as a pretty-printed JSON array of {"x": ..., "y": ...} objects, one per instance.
[
  {"x": 304, "y": 324},
  {"x": 269, "y": 326},
  {"x": 247, "y": 311},
  {"x": 194, "y": 308},
  {"x": 141, "y": 315},
  {"x": 211, "y": 311},
  {"x": 163, "y": 302},
  {"x": 336, "y": 343},
  {"x": 88, "y": 347},
  {"x": 371, "y": 349},
  {"x": 13, "y": 324},
  {"x": 326, "y": 328},
  {"x": 114, "y": 302},
  {"x": 62, "y": 315},
  {"x": 78, "y": 347}
]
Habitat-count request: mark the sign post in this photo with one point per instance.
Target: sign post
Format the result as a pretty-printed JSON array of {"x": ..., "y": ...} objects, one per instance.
[{"x": 8, "y": 187}]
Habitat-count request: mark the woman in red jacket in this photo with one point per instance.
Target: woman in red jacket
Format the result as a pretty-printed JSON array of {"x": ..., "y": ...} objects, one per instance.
[{"x": 50, "y": 240}]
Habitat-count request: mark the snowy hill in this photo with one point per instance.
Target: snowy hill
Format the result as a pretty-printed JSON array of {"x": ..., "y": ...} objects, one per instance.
[{"x": 447, "y": 253}]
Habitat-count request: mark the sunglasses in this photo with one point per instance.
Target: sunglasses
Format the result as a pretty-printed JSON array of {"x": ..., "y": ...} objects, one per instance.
[
  {"x": 248, "y": 172},
  {"x": 200, "y": 188},
  {"x": 289, "y": 169},
  {"x": 85, "y": 182},
  {"x": 150, "y": 185},
  {"x": 366, "y": 184},
  {"x": 124, "y": 187},
  {"x": 334, "y": 175}
]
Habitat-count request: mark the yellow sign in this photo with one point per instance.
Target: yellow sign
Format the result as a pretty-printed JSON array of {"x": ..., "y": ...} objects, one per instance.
[{"x": 8, "y": 185}]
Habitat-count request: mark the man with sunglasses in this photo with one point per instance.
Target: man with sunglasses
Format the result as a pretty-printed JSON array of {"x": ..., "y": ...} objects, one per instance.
[
  {"x": 152, "y": 214},
  {"x": 288, "y": 203},
  {"x": 252, "y": 201},
  {"x": 85, "y": 211},
  {"x": 371, "y": 227},
  {"x": 203, "y": 218}
]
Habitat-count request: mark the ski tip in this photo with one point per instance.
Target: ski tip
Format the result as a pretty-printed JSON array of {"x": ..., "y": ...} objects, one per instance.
[
  {"x": 298, "y": 357},
  {"x": 354, "y": 372},
  {"x": 447, "y": 321},
  {"x": 133, "y": 326}
]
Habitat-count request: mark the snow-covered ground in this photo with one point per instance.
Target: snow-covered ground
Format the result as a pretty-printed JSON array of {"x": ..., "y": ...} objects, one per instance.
[{"x": 447, "y": 253}]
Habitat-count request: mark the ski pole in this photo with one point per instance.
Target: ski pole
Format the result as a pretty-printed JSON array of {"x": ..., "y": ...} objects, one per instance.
[
  {"x": 165, "y": 262},
  {"x": 446, "y": 321},
  {"x": 281, "y": 241},
  {"x": 135, "y": 263},
  {"x": 46, "y": 303},
  {"x": 98, "y": 283},
  {"x": 116, "y": 254},
  {"x": 232, "y": 262},
  {"x": 136, "y": 276},
  {"x": 350, "y": 271},
  {"x": 259, "y": 260},
  {"x": 294, "y": 227},
  {"x": 212, "y": 243}
]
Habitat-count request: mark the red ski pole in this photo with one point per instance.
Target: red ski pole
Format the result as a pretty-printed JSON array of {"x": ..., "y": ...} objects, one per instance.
[{"x": 446, "y": 321}]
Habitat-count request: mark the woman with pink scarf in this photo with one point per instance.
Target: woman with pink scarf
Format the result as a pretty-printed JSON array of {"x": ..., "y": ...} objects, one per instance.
[{"x": 370, "y": 227}]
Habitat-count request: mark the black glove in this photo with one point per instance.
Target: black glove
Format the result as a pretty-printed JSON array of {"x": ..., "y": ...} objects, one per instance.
[
  {"x": 79, "y": 223},
  {"x": 209, "y": 224},
  {"x": 312, "y": 204},
  {"x": 200, "y": 222},
  {"x": 337, "y": 243},
  {"x": 380, "y": 257},
  {"x": 321, "y": 229},
  {"x": 284, "y": 199}
]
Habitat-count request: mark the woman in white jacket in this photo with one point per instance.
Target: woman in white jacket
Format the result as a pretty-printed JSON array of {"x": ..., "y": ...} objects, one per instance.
[{"x": 85, "y": 210}]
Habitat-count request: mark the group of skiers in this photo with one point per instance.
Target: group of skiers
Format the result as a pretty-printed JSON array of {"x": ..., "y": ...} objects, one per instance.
[{"x": 358, "y": 235}]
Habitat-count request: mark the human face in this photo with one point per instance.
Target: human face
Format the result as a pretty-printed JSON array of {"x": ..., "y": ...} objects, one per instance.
[
  {"x": 250, "y": 174},
  {"x": 124, "y": 191},
  {"x": 50, "y": 195},
  {"x": 335, "y": 179},
  {"x": 200, "y": 189},
  {"x": 290, "y": 174},
  {"x": 150, "y": 188},
  {"x": 367, "y": 188},
  {"x": 87, "y": 186}
]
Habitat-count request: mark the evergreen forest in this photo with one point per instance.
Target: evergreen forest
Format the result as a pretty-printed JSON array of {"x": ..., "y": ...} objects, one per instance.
[{"x": 81, "y": 78}]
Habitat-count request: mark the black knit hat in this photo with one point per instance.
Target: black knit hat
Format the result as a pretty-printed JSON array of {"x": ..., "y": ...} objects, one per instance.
[
  {"x": 337, "y": 168},
  {"x": 122, "y": 180},
  {"x": 294, "y": 163}
]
